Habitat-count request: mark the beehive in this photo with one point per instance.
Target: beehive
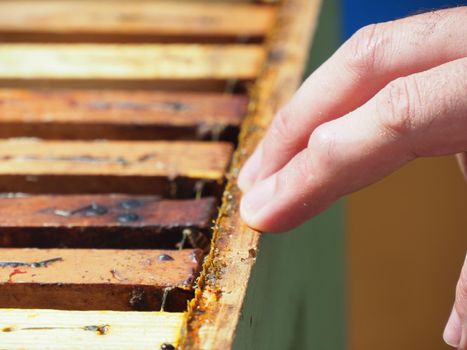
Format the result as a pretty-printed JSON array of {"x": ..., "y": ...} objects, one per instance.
[{"x": 124, "y": 125}]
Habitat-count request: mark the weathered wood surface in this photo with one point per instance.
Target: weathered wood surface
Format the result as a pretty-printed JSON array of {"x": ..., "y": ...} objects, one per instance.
[
  {"x": 65, "y": 114},
  {"x": 222, "y": 285},
  {"x": 103, "y": 221},
  {"x": 91, "y": 279},
  {"x": 127, "y": 65},
  {"x": 140, "y": 167},
  {"x": 91, "y": 330},
  {"x": 104, "y": 21}
]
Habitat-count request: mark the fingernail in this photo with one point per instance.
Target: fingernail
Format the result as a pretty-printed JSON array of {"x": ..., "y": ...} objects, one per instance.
[
  {"x": 256, "y": 200},
  {"x": 453, "y": 331},
  {"x": 249, "y": 172}
]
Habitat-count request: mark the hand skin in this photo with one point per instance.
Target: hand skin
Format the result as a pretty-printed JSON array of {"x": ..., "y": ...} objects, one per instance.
[{"x": 393, "y": 92}]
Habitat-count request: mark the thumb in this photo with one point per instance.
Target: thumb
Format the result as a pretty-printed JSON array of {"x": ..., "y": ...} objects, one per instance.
[
  {"x": 462, "y": 159},
  {"x": 455, "y": 333}
]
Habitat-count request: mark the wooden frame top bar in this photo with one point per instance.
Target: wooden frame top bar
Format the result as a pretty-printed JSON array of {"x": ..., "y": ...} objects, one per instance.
[
  {"x": 129, "y": 61},
  {"x": 100, "y": 266},
  {"x": 138, "y": 115},
  {"x": 205, "y": 160},
  {"x": 97, "y": 279},
  {"x": 90, "y": 330},
  {"x": 104, "y": 221},
  {"x": 68, "y": 211},
  {"x": 90, "y": 21},
  {"x": 121, "y": 107},
  {"x": 178, "y": 169}
]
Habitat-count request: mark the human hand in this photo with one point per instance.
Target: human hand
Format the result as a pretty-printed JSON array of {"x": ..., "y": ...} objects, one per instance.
[
  {"x": 394, "y": 92},
  {"x": 455, "y": 333}
]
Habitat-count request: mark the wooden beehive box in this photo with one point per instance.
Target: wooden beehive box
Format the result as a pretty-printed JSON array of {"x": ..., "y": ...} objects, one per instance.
[{"x": 123, "y": 126}]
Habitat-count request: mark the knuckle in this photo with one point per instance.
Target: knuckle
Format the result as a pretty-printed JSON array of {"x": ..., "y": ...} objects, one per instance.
[
  {"x": 400, "y": 101},
  {"x": 281, "y": 128},
  {"x": 304, "y": 168},
  {"x": 367, "y": 48},
  {"x": 298, "y": 175},
  {"x": 322, "y": 144},
  {"x": 461, "y": 71}
]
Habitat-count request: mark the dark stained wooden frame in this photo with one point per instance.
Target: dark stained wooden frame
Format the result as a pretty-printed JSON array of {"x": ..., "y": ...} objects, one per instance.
[{"x": 214, "y": 313}]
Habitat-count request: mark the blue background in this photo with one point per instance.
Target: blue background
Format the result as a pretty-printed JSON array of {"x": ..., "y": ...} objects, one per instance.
[{"x": 358, "y": 13}]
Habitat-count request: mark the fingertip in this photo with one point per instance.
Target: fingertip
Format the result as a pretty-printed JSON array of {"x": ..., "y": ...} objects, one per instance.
[
  {"x": 244, "y": 182},
  {"x": 453, "y": 331},
  {"x": 253, "y": 220},
  {"x": 254, "y": 203},
  {"x": 246, "y": 214}
]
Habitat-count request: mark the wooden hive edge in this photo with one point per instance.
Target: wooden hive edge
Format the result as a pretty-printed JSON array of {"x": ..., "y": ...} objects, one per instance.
[{"x": 215, "y": 311}]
